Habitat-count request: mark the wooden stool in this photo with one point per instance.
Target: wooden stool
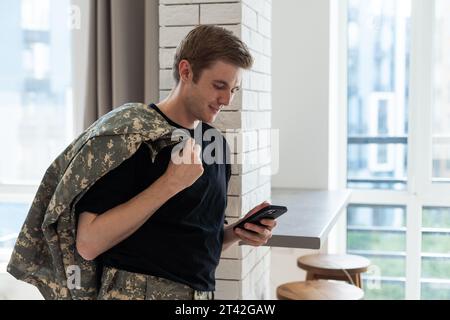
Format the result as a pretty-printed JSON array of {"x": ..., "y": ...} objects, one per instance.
[
  {"x": 319, "y": 290},
  {"x": 331, "y": 266}
]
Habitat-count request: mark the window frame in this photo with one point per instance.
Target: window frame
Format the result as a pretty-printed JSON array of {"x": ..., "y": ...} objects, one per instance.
[
  {"x": 25, "y": 192},
  {"x": 420, "y": 192}
]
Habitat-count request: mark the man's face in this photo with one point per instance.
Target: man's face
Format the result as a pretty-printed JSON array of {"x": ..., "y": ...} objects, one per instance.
[{"x": 213, "y": 91}]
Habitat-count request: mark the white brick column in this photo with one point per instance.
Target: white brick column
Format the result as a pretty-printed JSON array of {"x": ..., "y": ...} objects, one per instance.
[{"x": 244, "y": 271}]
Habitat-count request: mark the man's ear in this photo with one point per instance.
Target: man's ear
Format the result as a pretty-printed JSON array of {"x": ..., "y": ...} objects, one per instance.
[{"x": 185, "y": 70}]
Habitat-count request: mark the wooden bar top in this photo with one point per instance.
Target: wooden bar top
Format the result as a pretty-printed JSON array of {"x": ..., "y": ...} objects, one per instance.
[{"x": 311, "y": 216}]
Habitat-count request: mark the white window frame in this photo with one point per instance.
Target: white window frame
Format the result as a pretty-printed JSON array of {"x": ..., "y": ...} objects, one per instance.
[
  {"x": 421, "y": 191},
  {"x": 25, "y": 193}
]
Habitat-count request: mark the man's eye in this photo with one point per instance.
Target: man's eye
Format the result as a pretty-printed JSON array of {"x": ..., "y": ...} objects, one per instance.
[{"x": 218, "y": 87}]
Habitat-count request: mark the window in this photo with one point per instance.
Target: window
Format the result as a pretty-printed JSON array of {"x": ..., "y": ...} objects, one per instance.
[
  {"x": 12, "y": 216},
  {"x": 378, "y": 55},
  {"x": 398, "y": 144},
  {"x": 36, "y": 109},
  {"x": 441, "y": 93},
  {"x": 435, "y": 280},
  {"x": 379, "y": 234}
]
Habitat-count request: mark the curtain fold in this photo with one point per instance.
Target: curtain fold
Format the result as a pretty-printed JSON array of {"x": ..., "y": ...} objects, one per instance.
[{"x": 122, "y": 56}]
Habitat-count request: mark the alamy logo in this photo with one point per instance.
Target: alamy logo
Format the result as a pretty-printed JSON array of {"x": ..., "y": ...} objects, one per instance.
[
  {"x": 248, "y": 150},
  {"x": 73, "y": 277},
  {"x": 374, "y": 279},
  {"x": 74, "y": 18}
]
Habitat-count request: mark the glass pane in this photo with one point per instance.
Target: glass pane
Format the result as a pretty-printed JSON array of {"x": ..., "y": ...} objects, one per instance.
[
  {"x": 373, "y": 166},
  {"x": 441, "y": 161},
  {"x": 441, "y": 106},
  {"x": 35, "y": 87},
  {"x": 376, "y": 228},
  {"x": 436, "y": 268},
  {"x": 12, "y": 216},
  {"x": 389, "y": 266},
  {"x": 388, "y": 290},
  {"x": 376, "y": 240},
  {"x": 436, "y": 242},
  {"x": 435, "y": 280},
  {"x": 378, "y": 233},
  {"x": 378, "y": 91},
  {"x": 376, "y": 216},
  {"x": 435, "y": 291},
  {"x": 436, "y": 217}
]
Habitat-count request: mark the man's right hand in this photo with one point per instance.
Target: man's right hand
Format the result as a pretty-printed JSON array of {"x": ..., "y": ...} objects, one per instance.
[{"x": 185, "y": 166}]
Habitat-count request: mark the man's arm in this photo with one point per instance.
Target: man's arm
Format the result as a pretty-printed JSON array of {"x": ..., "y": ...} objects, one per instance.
[
  {"x": 229, "y": 237},
  {"x": 98, "y": 233}
]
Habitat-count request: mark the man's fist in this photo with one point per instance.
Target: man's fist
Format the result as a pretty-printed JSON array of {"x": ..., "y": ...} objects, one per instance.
[{"x": 185, "y": 166}]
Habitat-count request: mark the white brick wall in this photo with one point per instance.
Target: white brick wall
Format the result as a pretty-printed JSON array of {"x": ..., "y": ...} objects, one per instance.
[
  {"x": 241, "y": 204},
  {"x": 170, "y": 37},
  {"x": 255, "y": 284},
  {"x": 244, "y": 271},
  {"x": 220, "y": 13},
  {"x": 179, "y": 15},
  {"x": 248, "y": 120}
]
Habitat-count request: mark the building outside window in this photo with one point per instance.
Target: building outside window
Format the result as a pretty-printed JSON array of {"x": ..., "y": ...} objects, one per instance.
[{"x": 399, "y": 145}]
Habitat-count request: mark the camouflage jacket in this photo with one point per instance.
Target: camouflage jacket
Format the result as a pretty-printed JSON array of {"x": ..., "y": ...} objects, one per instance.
[{"x": 45, "y": 254}]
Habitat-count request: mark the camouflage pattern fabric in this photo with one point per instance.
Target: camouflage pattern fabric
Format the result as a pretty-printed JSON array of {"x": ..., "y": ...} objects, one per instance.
[
  {"x": 45, "y": 251},
  {"x": 123, "y": 285}
]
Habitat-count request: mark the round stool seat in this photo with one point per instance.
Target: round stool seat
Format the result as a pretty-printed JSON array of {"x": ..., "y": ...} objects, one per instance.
[
  {"x": 333, "y": 264},
  {"x": 319, "y": 290}
]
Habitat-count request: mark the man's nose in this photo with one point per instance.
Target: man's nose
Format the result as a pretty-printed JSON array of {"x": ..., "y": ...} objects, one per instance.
[{"x": 226, "y": 98}]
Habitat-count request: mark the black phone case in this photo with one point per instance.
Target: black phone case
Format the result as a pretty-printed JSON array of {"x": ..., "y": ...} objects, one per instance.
[{"x": 269, "y": 212}]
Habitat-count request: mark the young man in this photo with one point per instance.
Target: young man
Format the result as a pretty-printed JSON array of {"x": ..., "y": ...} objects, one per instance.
[{"x": 158, "y": 227}]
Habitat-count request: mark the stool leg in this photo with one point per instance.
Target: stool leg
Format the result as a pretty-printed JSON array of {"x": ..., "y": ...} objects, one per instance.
[
  {"x": 357, "y": 280},
  {"x": 310, "y": 276}
]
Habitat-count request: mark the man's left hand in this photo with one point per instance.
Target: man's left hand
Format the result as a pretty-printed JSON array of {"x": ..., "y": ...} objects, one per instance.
[{"x": 253, "y": 234}]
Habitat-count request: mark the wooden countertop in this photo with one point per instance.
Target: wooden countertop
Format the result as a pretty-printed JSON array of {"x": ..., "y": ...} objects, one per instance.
[{"x": 311, "y": 216}]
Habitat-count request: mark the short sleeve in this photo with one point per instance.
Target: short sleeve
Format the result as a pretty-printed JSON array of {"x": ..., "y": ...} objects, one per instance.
[{"x": 113, "y": 189}]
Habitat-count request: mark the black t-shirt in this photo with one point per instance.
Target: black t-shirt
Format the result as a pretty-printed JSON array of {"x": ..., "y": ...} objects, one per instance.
[{"x": 183, "y": 239}]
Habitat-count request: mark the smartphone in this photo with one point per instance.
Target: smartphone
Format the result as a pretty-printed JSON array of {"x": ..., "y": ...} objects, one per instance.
[{"x": 269, "y": 212}]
